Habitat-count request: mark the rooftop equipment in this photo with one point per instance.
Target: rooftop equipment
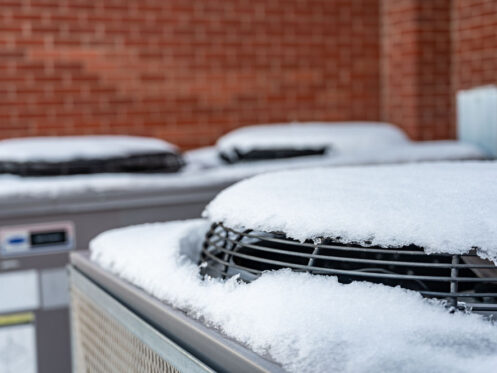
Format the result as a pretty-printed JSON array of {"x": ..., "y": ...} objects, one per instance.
[
  {"x": 477, "y": 117},
  {"x": 362, "y": 224},
  {"x": 273, "y": 141},
  {"x": 395, "y": 229},
  {"x": 43, "y": 219},
  {"x": 117, "y": 327},
  {"x": 52, "y": 156},
  {"x": 41, "y": 223}
]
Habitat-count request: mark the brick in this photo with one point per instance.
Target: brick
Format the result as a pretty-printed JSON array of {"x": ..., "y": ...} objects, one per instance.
[
  {"x": 474, "y": 43},
  {"x": 411, "y": 59},
  {"x": 14, "y": 54},
  {"x": 190, "y": 70}
]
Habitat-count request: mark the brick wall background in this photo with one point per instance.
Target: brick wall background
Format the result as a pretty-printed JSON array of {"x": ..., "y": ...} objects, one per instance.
[
  {"x": 474, "y": 43},
  {"x": 184, "y": 70},
  {"x": 399, "y": 57},
  {"x": 416, "y": 67},
  {"x": 190, "y": 70}
]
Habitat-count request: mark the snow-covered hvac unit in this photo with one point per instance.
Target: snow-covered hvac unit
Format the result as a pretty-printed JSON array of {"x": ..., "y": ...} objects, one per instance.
[
  {"x": 268, "y": 147},
  {"x": 52, "y": 156},
  {"x": 398, "y": 225},
  {"x": 118, "y": 328},
  {"x": 42, "y": 219},
  {"x": 169, "y": 316},
  {"x": 477, "y": 117},
  {"x": 289, "y": 140}
]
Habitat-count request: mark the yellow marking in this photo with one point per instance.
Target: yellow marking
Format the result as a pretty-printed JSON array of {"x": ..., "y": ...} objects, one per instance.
[{"x": 17, "y": 318}]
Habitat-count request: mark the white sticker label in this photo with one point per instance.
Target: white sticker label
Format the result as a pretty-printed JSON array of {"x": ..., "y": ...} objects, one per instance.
[
  {"x": 19, "y": 291},
  {"x": 18, "y": 349}
]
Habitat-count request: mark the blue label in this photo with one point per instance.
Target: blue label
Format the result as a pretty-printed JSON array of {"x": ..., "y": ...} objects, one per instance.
[{"x": 16, "y": 240}]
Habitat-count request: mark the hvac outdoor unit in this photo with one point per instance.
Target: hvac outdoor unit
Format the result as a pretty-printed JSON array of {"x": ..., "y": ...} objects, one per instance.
[
  {"x": 405, "y": 226},
  {"x": 37, "y": 237},
  {"x": 292, "y": 140},
  {"x": 119, "y": 328},
  {"x": 38, "y": 231},
  {"x": 477, "y": 117}
]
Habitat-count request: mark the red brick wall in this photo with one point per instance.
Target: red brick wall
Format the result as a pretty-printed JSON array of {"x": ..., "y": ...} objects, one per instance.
[
  {"x": 184, "y": 70},
  {"x": 399, "y": 63},
  {"x": 416, "y": 67},
  {"x": 475, "y": 43}
]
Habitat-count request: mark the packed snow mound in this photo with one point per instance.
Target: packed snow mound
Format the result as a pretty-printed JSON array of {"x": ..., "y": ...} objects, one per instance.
[
  {"x": 442, "y": 207},
  {"x": 335, "y": 136},
  {"x": 67, "y": 148},
  {"x": 304, "y": 322}
]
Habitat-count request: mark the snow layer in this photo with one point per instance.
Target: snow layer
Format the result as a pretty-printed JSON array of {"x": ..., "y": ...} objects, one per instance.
[
  {"x": 336, "y": 136},
  {"x": 201, "y": 158},
  {"x": 207, "y": 174},
  {"x": 55, "y": 149},
  {"x": 424, "y": 151},
  {"x": 442, "y": 207},
  {"x": 306, "y": 323}
]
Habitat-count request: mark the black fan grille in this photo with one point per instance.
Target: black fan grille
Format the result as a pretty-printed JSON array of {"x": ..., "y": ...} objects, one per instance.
[
  {"x": 464, "y": 280},
  {"x": 141, "y": 163},
  {"x": 269, "y": 154}
]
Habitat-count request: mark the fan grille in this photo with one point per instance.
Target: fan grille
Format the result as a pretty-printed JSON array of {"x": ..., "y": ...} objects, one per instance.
[
  {"x": 464, "y": 280},
  {"x": 268, "y": 154},
  {"x": 146, "y": 163}
]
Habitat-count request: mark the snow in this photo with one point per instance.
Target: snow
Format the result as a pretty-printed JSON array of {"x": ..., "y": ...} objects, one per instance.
[
  {"x": 416, "y": 152},
  {"x": 65, "y": 148},
  {"x": 333, "y": 136},
  {"x": 210, "y": 175},
  {"x": 306, "y": 323},
  {"x": 208, "y": 157},
  {"x": 442, "y": 207},
  {"x": 201, "y": 158}
]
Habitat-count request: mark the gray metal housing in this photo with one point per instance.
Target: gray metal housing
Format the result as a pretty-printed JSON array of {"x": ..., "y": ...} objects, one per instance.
[
  {"x": 91, "y": 213},
  {"x": 185, "y": 344}
]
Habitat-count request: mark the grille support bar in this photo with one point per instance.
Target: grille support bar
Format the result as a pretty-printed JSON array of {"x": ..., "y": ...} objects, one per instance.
[{"x": 454, "y": 283}]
